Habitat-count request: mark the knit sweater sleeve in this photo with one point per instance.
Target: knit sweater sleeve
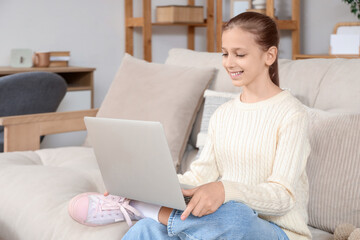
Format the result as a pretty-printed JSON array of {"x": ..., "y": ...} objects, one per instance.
[
  {"x": 204, "y": 169},
  {"x": 276, "y": 196}
]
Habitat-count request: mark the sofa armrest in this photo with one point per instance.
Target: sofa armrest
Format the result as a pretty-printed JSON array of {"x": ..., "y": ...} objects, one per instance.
[{"x": 22, "y": 133}]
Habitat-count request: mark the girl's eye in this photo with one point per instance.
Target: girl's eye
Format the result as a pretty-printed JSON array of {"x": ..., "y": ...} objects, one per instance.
[
  {"x": 240, "y": 55},
  {"x": 224, "y": 54}
]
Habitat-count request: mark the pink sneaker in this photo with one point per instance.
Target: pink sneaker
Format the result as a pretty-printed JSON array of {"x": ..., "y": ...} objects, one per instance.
[{"x": 94, "y": 209}]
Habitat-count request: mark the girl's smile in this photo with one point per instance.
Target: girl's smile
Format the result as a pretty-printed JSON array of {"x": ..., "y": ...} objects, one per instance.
[{"x": 235, "y": 75}]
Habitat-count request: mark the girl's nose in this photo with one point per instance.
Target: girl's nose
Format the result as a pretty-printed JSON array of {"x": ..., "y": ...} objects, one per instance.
[{"x": 229, "y": 61}]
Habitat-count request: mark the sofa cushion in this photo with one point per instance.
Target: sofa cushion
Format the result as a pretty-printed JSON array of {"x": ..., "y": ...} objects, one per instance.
[
  {"x": 36, "y": 188},
  {"x": 318, "y": 234},
  {"x": 340, "y": 87},
  {"x": 189, "y": 156},
  {"x": 158, "y": 92},
  {"x": 303, "y": 77},
  {"x": 213, "y": 100},
  {"x": 333, "y": 169}
]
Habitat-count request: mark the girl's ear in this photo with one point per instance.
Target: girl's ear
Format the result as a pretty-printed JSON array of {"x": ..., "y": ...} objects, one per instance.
[{"x": 271, "y": 55}]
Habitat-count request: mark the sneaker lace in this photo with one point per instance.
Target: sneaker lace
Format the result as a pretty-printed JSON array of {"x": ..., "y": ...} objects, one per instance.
[{"x": 112, "y": 202}]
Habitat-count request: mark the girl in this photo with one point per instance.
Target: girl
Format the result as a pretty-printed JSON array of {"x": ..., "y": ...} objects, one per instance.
[{"x": 251, "y": 174}]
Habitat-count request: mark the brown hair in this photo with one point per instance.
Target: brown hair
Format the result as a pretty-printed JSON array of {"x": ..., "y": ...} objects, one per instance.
[{"x": 265, "y": 31}]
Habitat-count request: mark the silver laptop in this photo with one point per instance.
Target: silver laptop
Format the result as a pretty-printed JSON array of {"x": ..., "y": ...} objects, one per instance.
[{"x": 135, "y": 160}]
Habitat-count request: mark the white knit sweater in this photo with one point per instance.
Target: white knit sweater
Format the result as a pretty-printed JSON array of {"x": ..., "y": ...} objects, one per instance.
[{"x": 259, "y": 152}]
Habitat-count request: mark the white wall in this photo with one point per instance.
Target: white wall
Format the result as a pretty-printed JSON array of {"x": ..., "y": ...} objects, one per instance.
[
  {"x": 318, "y": 20},
  {"x": 93, "y": 31}
]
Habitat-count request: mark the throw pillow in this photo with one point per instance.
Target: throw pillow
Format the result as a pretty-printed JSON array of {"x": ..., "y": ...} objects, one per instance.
[
  {"x": 333, "y": 169},
  {"x": 158, "y": 92},
  {"x": 213, "y": 100}
]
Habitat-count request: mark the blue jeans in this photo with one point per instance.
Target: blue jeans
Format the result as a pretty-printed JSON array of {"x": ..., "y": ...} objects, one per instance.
[{"x": 233, "y": 220}]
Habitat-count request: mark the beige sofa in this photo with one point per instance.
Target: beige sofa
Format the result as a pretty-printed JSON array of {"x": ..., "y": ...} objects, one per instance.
[{"x": 36, "y": 186}]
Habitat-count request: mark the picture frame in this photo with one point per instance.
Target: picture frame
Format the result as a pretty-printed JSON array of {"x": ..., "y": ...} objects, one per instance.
[{"x": 239, "y": 6}]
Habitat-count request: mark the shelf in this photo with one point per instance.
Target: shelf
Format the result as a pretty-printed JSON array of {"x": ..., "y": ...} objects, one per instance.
[
  {"x": 145, "y": 22},
  {"x": 11, "y": 70},
  {"x": 286, "y": 24},
  {"x": 181, "y": 24},
  {"x": 139, "y": 22},
  {"x": 305, "y": 56},
  {"x": 78, "y": 88}
]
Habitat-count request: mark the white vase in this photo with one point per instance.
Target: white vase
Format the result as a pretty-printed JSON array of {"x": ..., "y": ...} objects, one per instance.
[{"x": 259, "y": 4}]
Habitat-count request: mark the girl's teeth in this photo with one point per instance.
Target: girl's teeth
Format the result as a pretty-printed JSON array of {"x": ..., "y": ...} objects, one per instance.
[{"x": 236, "y": 73}]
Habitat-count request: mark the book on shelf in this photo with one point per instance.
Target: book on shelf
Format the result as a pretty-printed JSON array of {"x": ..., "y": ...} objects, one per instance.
[
  {"x": 59, "y": 58},
  {"x": 59, "y": 64},
  {"x": 60, "y": 53}
]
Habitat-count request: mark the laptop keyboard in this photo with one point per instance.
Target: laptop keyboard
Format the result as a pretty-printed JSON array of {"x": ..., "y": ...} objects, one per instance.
[{"x": 187, "y": 200}]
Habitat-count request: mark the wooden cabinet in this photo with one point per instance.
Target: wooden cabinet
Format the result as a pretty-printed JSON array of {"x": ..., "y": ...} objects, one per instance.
[
  {"x": 145, "y": 22},
  {"x": 77, "y": 78}
]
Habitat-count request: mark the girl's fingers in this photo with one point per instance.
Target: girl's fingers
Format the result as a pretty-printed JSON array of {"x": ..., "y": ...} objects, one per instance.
[
  {"x": 201, "y": 210},
  {"x": 192, "y": 204},
  {"x": 196, "y": 211},
  {"x": 204, "y": 200}
]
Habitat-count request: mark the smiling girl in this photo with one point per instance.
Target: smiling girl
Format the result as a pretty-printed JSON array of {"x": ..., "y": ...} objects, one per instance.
[{"x": 251, "y": 174}]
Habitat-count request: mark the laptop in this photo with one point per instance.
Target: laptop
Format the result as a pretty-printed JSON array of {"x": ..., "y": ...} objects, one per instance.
[{"x": 135, "y": 161}]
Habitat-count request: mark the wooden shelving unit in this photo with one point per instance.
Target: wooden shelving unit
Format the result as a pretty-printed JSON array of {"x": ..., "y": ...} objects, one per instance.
[
  {"x": 146, "y": 24},
  {"x": 292, "y": 25}
]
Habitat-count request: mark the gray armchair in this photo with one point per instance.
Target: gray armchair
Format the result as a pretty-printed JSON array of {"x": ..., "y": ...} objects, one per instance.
[{"x": 29, "y": 93}]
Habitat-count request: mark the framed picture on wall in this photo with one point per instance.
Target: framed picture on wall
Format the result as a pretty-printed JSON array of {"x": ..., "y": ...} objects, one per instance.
[{"x": 239, "y": 6}]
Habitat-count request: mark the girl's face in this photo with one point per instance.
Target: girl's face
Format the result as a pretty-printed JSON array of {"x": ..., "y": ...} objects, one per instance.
[{"x": 244, "y": 60}]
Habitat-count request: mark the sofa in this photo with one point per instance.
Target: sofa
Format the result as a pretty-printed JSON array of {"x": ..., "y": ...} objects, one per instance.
[{"x": 37, "y": 184}]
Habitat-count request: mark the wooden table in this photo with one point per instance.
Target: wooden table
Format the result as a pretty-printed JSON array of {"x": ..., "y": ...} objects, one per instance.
[{"x": 77, "y": 78}]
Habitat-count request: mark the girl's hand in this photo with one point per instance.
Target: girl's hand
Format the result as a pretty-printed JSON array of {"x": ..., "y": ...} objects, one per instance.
[{"x": 205, "y": 200}]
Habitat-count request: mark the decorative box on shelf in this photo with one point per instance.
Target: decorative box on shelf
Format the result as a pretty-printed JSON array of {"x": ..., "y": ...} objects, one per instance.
[{"x": 179, "y": 14}]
